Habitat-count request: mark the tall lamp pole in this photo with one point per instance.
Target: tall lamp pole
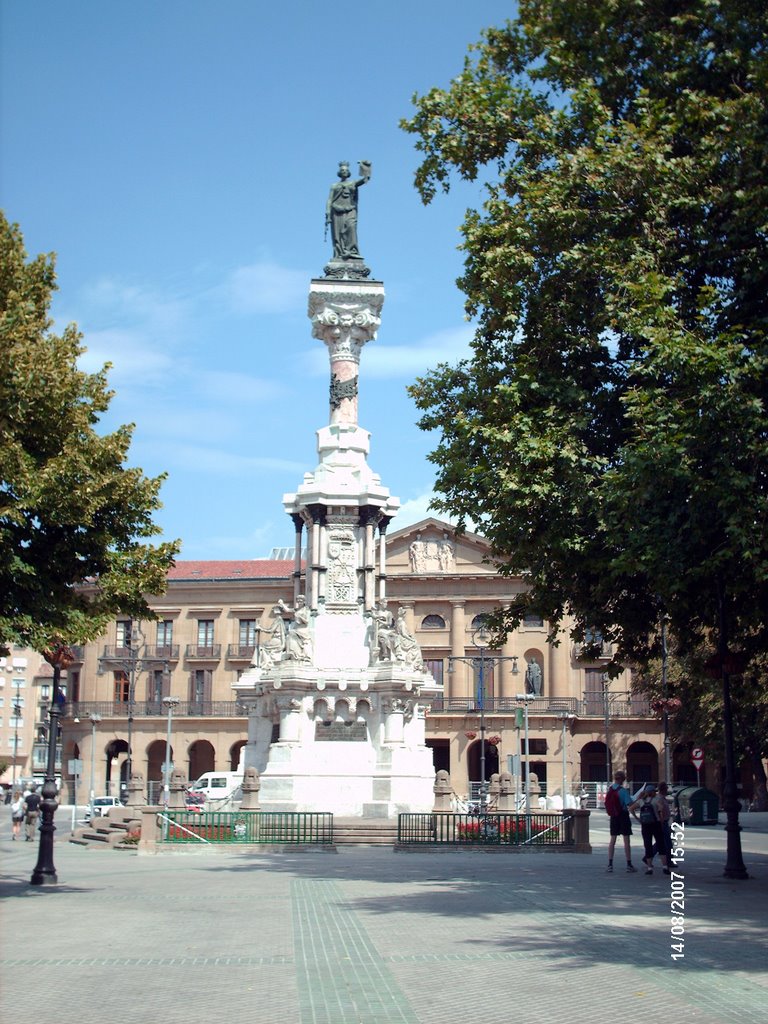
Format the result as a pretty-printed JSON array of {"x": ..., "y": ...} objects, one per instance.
[
  {"x": 17, "y": 716},
  {"x": 170, "y": 703},
  {"x": 481, "y": 639},
  {"x": 60, "y": 657},
  {"x": 94, "y": 718},
  {"x": 526, "y": 698}
]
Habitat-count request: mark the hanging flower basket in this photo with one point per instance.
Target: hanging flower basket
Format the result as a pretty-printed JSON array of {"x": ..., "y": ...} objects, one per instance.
[
  {"x": 470, "y": 735},
  {"x": 495, "y": 740},
  {"x": 670, "y": 705}
]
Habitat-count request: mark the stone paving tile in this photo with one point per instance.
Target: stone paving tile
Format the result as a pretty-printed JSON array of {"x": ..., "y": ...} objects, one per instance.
[{"x": 369, "y": 937}]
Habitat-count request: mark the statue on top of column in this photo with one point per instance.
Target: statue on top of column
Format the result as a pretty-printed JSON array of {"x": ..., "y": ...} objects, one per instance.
[{"x": 341, "y": 218}]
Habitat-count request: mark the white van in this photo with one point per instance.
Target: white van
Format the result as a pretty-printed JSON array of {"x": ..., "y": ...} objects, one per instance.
[{"x": 216, "y": 785}]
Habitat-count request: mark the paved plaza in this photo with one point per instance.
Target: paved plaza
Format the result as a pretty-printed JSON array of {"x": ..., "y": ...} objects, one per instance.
[{"x": 369, "y": 936}]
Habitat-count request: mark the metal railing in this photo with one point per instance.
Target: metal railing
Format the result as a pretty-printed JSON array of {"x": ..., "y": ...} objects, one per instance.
[
  {"x": 491, "y": 829},
  {"x": 619, "y": 706},
  {"x": 207, "y": 652},
  {"x": 262, "y": 827},
  {"x": 155, "y": 708},
  {"x": 240, "y": 652}
]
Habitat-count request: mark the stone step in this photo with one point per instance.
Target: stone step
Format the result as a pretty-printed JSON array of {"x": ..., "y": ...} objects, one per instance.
[{"x": 364, "y": 832}]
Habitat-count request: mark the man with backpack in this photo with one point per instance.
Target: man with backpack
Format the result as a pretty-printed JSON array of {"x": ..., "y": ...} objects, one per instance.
[
  {"x": 33, "y": 801},
  {"x": 618, "y": 801}
]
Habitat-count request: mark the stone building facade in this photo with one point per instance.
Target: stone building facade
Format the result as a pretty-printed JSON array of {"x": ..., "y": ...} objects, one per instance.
[{"x": 212, "y": 618}]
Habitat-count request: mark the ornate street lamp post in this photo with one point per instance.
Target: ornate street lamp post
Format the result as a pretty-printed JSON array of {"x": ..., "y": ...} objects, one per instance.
[
  {"x": 17, "y": 716},
  {"x": 481, "y": 638},
  {"x": 170, "y": 703},
  {"x": 94, "y": 719},
  {"x": 60, "y": 657}
]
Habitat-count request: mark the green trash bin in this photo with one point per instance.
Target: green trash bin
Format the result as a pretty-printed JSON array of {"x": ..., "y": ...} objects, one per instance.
[{"x": 697, "y": 806}]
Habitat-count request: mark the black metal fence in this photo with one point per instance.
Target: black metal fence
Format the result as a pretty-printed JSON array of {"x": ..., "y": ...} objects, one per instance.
[
  {"x": 262, "y": 827},
  {"x": 492, "y": 829}
]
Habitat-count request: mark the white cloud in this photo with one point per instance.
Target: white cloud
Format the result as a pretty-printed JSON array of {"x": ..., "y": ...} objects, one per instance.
[
  {"x": 265, "y": 287},
  {"x": 216, "y": 461},
  {"x": 133, "y": 357},
  {"x": 418, "y": 508},
  {"x": 239, "y": 388}
]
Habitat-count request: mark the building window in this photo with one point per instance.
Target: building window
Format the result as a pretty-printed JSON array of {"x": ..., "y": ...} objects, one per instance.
[
  {"x": 433, "y": 622},
  {"x": 200, "y": 686},
  {"x": 19, "y": 683},
  {"x": 165, "y": 633},
  {"x": 45, "y": 691},
  {"x": 247, "y": 633},
  {"x": 123, "y": 633},
  {"x": 537, "y": 746},
  {"x": 479, "y": 621},
  {"x": 73, "y": 679},
  {"x": 532, "y": 621},
  {"x": 157, "y": 682},
  {"x": 205, "y": 632},
  {"x": 435, "y": 666},
  {"x": 122, "y": 688}
]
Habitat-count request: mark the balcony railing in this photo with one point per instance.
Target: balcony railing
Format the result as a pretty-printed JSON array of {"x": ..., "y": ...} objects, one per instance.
[
  {"x": 206, "y": 652},
  {"x": 622, "y": 705},
  {"x": 149, "y": 654},
  {"x": 240, "y": 652},
  {"x": 593, "y": 652},
  {"x": 161, "y": 652},
  {"x": 155, "y": 709}
]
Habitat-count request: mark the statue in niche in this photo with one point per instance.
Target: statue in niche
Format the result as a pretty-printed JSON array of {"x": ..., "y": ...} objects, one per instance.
[
  {"x": 273, "y": 648},
  {"x": 407, "y": 648},
  {"x": 383, "y": 639},
  {"x": 445, "y": 554},
  {"x": 533, "y": 678},
  {"x": 418, "y": 556},
  {"x": 341, "y": 211},
  {"x": 298, "y": 641}
]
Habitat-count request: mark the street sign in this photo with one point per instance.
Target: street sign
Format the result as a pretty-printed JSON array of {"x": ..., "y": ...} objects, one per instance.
[
  {"x": 697, "y": 757},
  {"x": 165, "y": 767},
  {"x": 75, "y": 766}
]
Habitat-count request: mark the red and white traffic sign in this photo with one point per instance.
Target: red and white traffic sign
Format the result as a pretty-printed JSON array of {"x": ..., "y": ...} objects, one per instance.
[{"x": 697, "y": 757}]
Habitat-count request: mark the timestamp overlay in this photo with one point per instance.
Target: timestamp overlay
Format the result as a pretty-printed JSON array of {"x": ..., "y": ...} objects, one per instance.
[{"x": 677, "y": 893}]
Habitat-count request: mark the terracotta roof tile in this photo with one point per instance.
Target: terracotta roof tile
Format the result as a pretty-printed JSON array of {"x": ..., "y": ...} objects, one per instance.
[{"x": 243, "y": 569}]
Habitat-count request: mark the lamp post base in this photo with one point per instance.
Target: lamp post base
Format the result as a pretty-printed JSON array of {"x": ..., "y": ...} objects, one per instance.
[{"x": 45, "y": 871}]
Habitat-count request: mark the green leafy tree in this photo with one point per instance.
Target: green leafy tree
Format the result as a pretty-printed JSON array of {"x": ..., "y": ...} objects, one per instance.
[
  {"x": 73, "y": 517},
  {"x": 608, "y": 434},
  {"x": 696, "y": 711}
]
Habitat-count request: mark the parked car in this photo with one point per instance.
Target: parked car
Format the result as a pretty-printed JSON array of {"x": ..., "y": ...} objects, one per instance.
[{"x": 102, "y": 805}]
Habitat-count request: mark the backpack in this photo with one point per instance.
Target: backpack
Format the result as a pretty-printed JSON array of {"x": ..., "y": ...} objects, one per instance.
[
  {"x": 647, "y": 814},
  {"x": 612, "y": 803}
]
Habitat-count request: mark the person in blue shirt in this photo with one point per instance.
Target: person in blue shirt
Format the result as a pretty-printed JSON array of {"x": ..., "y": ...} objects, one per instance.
[{"x": 621, "y": 824}]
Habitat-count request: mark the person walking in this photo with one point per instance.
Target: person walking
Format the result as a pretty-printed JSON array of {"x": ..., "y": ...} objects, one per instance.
[
  {"x": 644, "y": 809},
  {"x": 621, "y": 824},
  {"x": 18, "y": 809},
  {"x": 33, "y": 802}
]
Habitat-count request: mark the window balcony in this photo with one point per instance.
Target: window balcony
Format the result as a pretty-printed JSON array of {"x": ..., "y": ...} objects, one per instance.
[
  {"x": 204, "y": 652},
  {"x": 240, "y": 652},
  {"x": 594, "y": 652},
  {"x": 161, "y": 652}
]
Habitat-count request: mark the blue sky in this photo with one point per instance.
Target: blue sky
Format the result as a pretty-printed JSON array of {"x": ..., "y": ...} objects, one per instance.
[{"x": 177, "y": 156}]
